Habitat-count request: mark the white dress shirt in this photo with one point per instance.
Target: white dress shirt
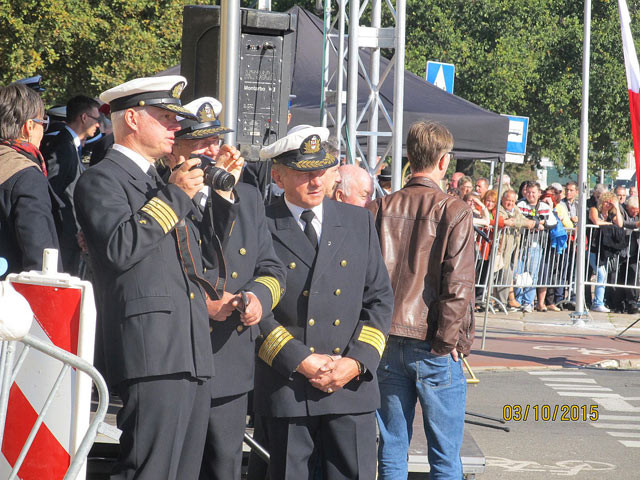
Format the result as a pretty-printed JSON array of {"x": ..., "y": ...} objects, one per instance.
[
  {"x": 296, "y": 211},
  {"x": 138, "y": 159},
  {"x": 74, "y": 135}
]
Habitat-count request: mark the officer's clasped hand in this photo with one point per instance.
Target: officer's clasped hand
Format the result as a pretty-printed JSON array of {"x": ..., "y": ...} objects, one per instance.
[{"x": 343, "y": 371}]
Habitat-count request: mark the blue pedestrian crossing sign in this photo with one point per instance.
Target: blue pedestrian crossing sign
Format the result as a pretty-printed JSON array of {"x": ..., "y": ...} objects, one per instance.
[
  {"x": 441, "y": 75},
  {"x": 517, "y": 139}
]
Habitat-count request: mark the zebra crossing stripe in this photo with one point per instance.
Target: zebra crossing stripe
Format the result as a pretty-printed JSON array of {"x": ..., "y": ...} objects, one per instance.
[
  {"x": 565, "y": 385},
  {"x": 557, "y": 372},
  {"x": 630, "y": 443}
]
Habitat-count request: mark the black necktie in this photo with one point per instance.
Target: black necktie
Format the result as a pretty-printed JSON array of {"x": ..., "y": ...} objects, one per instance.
[{"x": 309, "y": 231}]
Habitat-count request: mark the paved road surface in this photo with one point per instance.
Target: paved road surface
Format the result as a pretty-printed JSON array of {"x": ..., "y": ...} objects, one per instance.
[
  {"x": 576, "y": 446},
  {"x": 551, "y": 350}
]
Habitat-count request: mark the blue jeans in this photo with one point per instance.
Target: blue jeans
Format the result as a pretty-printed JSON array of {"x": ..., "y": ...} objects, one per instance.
[
  {"x": 408, "y": 372},
  {"x": 601, "y": 277},
  {"x": 529, "y": 262}
]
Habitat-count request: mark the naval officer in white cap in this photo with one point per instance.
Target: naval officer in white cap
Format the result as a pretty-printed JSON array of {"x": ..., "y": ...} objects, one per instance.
[
  {"x": 315, "y": 381},
  {"x": 153, "y": 315}
]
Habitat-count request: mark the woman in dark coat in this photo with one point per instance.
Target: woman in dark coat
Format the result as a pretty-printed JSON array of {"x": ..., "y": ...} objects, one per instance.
[{"x": 26, "y": 222}]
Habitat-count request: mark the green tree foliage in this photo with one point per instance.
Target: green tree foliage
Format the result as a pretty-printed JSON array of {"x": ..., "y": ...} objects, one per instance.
[
  {"x": 87, "y": 46},
  {"x": 524, "y": 57}
]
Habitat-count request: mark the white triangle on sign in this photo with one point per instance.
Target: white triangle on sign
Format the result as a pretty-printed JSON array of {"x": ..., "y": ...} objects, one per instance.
[{"x": 440, "y": 82}]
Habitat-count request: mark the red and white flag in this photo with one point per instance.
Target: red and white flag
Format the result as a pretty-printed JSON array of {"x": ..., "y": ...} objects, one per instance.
[{"x": 633, "y": 80}]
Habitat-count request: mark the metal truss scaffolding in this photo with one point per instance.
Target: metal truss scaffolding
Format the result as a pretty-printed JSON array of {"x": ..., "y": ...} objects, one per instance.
[{"x": 366, "y": 129}]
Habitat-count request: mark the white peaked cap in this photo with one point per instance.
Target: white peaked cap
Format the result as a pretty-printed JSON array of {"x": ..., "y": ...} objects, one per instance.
[{"x": 293, "y": 140}]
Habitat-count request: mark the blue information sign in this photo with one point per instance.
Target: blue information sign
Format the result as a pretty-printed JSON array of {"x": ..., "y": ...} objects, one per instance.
[
  {"x": 517, "y": 139},
  {"x": 441, "y": 75}
]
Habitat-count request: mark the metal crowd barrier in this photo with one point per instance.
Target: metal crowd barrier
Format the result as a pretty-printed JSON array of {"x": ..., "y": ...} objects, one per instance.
[
  {"x": 524, "y": 259},
  {"x": 8, "y": 372},
  {"x": 620, "y": 265},
  {"x": 532, "y": 259}
]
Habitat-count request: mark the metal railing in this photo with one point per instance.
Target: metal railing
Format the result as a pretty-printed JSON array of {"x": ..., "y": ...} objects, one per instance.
[
  {"x": 8, "y": 373},
  {"x": 529, "y": 259},
  {"x": 525, "y": 259},
  {"x": 619, "y": 264}
]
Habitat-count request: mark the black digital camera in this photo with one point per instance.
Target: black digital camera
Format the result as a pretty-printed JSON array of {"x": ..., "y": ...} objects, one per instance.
[{"x": 215, "y": 177}]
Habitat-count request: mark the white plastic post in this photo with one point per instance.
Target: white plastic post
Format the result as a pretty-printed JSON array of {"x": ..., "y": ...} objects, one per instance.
[{"x": 50, "y": 261}]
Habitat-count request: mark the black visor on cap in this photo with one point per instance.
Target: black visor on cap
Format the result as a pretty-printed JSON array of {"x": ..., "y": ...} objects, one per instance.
[
  {"x": 151, "y": 99},
  {"x": 194, "y": 130}
]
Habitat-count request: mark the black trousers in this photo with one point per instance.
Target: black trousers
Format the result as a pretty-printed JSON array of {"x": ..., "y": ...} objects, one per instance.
[
  {"x": 347, "y": 443},
  {"x": 259, "y": 469},
  {"x": 164, "y": 426},
  {"x": 222, "y": 458}
]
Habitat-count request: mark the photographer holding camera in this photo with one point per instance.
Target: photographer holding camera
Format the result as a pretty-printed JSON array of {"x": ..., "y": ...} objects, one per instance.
[
  {"x": 233, "y": 224},
  {"x": 531, "y": 257}
]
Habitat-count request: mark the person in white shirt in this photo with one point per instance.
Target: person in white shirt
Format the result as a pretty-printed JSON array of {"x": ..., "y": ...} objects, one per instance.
[{"x": 531, "y": 257}]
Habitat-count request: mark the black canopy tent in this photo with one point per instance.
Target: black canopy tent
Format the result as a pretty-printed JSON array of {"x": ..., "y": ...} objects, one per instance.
[{"x": 478, "y": 133}]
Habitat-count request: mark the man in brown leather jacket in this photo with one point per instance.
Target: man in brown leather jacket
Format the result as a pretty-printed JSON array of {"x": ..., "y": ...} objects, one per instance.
[{"x": 426, "y": 238}]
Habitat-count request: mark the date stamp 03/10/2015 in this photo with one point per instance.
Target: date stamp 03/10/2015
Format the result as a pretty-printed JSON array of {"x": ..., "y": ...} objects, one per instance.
[{"x": 550, "y": 413}]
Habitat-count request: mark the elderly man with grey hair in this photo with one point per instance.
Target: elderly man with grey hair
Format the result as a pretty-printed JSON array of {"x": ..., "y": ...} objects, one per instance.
[{"x": 355, "y": 187}]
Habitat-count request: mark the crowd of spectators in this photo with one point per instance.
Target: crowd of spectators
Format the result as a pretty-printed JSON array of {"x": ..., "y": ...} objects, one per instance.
[{"x": 536, "y": 252}]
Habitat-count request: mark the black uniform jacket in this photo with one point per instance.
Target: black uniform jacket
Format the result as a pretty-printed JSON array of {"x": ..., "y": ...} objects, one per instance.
[
  {"x": 26, "y": 224},
  {"x": 340, "y": 304},
  {"x": 251, "y": 265},
  {"x": 63, "y": 169},
  {"x": 152, "y": 316}
]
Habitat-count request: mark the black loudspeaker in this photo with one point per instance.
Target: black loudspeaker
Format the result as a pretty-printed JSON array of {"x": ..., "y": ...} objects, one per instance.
[{"x": 266, "y": 62}]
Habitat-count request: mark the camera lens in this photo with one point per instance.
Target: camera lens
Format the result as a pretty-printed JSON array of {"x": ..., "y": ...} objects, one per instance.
[
  {"x": 218, "y": 179},
  {"x": 215, "y": 177}
]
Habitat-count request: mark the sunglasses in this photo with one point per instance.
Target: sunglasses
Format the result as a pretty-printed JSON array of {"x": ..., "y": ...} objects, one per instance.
[{"x": 44, "y": 121}]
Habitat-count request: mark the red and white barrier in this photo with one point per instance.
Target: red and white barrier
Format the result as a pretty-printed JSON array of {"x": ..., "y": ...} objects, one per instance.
[{"x": 65, "y": 316}]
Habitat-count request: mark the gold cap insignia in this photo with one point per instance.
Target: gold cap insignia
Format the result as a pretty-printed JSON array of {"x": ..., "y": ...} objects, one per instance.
[
  {"x": 177, "y": 89},
  {"x": 310, "y": 145},
  {"x": 206, "y": 113}
]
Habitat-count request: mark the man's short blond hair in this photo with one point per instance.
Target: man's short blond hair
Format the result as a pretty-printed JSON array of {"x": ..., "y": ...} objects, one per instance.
[{"x": 427, "y": 142}]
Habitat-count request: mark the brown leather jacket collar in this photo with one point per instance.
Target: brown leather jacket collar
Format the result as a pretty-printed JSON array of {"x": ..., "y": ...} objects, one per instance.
[{"x": 427, "y": 241}]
